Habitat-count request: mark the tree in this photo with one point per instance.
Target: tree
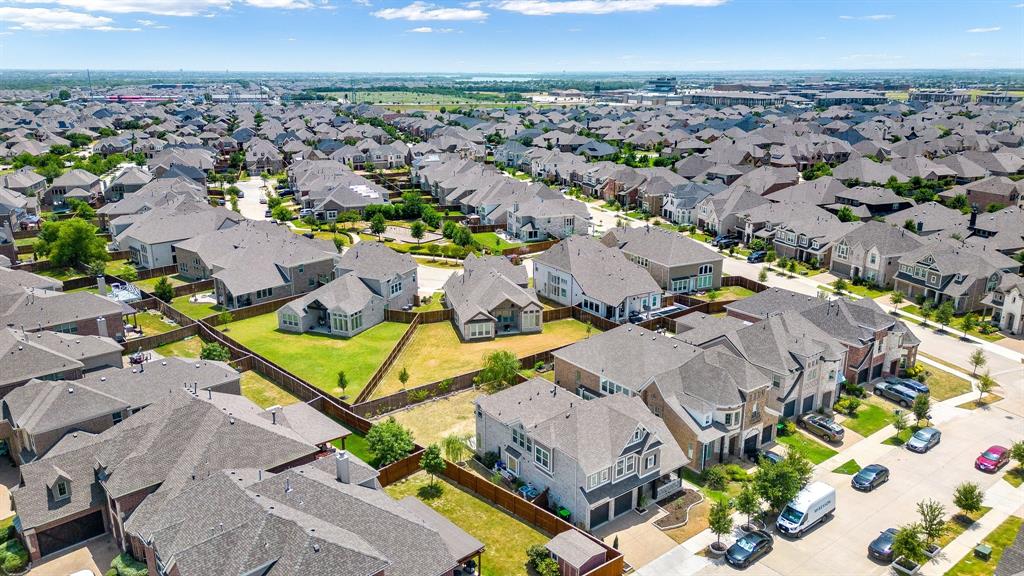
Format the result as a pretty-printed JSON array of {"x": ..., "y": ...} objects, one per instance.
[
  {"x": 281, "y": 213},
  {"x": 840, "y": 285},
  {"x": 434, "y": 250},
  {"x": 1017, "y": 453},
  {"x": 909, "y": 224},
  {"x": 907, "y": 543},
  {"x": 225, "y": 317},
  {"x": 762, "y": 276},
  {"x": 944, "y": 314},
  {"x": 72, "y": 242},
  {"x": 454, "y": 447},
  {"x": 748, "y": 502},
  {"x": 779, "y": 482},
  {"x": 968, "y": 498},
  {"x": 431, "y": 462},
  {"x": 921, "y": 407},
  {"x": 499, "y": 372},
  {"x": 896, "y": 298},
  {"x": 81, "y": 209},
  {"x": 899, "y": 421},
  {"x": 845, "y": 214},
  {"x": 163, "y": 289},
  {"x": 215, "y": 351},
  {"x": 926, "y": 311},
  {"x": 968, "y": 322},
  {"x": 720, "y": 519},
  {"x": 417, "y": 231},
  {"x": 933, "y": 520},
  {"x": 977, "y": 359},
  {"x": 389, "y": 442},
  {"x": 64, "y": 94},
  {"x": 378, "y": 225},
  {"x": 985, "y": 385},
  {"x": 342, "y": 381},
  {"x": 403, "y": 376},
  {"x": 713, "y": 294}
]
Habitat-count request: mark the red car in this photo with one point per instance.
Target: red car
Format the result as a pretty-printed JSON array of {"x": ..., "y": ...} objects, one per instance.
[{"x": 992, "y": 459}]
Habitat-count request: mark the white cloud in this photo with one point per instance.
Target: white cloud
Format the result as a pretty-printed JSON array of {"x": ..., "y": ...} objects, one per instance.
[
  {"x": 423, "y": 11},
  {"x": 984, "y": 30},
  {"x": 159, "y": 7},
  {"x": 429, "y": 30},
  {"x": 281, "y": 4},
  {"x": 362, "y": 2},
  {"x": 872, "y": 17},
  {"x": 551, "y": 7},
  {"x": 151, "y": 24},
  {"x": 43, "y": 19}
]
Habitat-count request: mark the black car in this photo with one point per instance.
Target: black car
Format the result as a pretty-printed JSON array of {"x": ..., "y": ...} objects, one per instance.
[
  {"x": 728, "y": 243},
  {"x": 749, "y": 548},
  {"x": 757, "y": 455},
  {"x": 757, "y": 256},
  {"x": 724, "y": 238},
  {"x": 881, "y": 548},
  {"x": 870, "y": 477},
  {"x": 821, "y": 426}
]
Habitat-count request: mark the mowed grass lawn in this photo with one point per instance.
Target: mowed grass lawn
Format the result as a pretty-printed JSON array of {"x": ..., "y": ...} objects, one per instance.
[
  {"x": 149, "y": 284},
  {"x": 729, "y": 293},
  {"x": 492, "y": 240},
  {"x": 187, "y": 348},
  {"x": 815, "y": 451},
  {"x": 435, "y": 352},
  {"x": 317, "y": 358},
  {"x": 504, "y": 537},
  {"x": 872, "y": 415},
  {"x": 999, "y": 539},
  {"x": 431, "y": 421},
  {"x": 263, "y": 392},
  {"x": 152, "y": 323},
  {"x": 194, "y": 310}
]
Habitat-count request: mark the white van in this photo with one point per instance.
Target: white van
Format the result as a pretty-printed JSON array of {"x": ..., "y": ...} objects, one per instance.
[{"x": 816, "y": 501}]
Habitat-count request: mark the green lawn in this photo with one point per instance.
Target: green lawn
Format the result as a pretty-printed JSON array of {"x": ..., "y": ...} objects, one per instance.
[
  {"x": 356, "y": 444},
  {"x": 149, "y": 284},
  {"x": 152, "y": 322},
  {"x": 959, "y": 524},
  {"x": 194, "y": 310},
  {"x": 429, "y": 422},
  {"x": 25, "y": 241},
  {"x": 954, "y": 327},
  {"x": 900, "y": 438},
  {"x": 61, "y": 273},
  {"x": 435, "y": 352},
  {"x": 119, "y": 268},
  {"x": 944, "y": 385},
  {"x": 815, "y": 451},
  {"x": 870, "y": 418},
  {"x": 317, "y": 358},
  {"x": 433, "y": 304},
  {"x": 263, "y": 392},
  {"x": 505, "y": 537},
  {"x": 729, "y": 293},
  {"x": 850, "y": 467},
  {"x": 999, "y": 539},
  {"x": 981, "y": 403},
  {"x": 732, "y": 488},
  {"x": 188, "y": 348},
  {"x": 865, "y": 291},
  {"x": 492, "y": 241},
  {"x": 1015, "y": 476}
]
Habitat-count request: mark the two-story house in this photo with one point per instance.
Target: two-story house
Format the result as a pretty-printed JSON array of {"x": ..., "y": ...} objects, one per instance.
[
  {"x": 387, "y": 273},
  {"x": 872, "y": 251},
  {"x": 797, "y": 230},
  {"x": 545, "y": 218},
  {"x": 678, "y": 264}
]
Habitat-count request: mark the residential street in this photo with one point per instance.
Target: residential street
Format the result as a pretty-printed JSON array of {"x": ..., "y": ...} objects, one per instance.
[{"x": 249, "y": 204}]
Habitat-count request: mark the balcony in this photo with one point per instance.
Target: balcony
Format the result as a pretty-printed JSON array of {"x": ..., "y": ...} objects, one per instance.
[{"x": 666, "y": 486}]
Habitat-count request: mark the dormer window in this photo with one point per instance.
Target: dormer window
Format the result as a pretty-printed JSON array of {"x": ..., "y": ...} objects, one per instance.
[
  {"x": 61, "y": 490},
  {"x": 638, "y": 434}
]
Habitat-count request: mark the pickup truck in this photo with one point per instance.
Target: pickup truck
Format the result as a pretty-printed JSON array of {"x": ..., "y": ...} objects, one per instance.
[{"x": 898, "y": 393}]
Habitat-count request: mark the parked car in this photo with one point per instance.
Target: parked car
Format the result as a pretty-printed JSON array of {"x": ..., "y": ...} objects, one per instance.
[
  {"x": 757, "y": 455},
  {"x": 881, "y": 547},
  {"x": 263, "y": 199},
  {"x": 267, "y": 214},
  {"x": 757, "y": 256},
  {"x": 898, "y": 393},
  {"x": 812, "y": 505},
  {"x": 822, "y": 426},
  {"x": 992, "y": 459},
  {"x": 241, "y": 194},
  {"x": 748, "y": 548},
  {"x": 870, "y": 477},
  {"x": 305, "y": 212},
  {"x": 723, "y": 238},
  {"x": 919, "y": 387},
  {"x": 728, "y": 243},
  {"x": 924, "y": 440}
]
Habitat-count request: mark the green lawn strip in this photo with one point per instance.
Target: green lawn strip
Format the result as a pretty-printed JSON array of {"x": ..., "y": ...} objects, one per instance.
[
  {"x": 61, "y": 274},
  {"x": 434, "y": 304},
  {"x": 954, "y": 329},
  {"x": 149, "y": 284},
  {"x": 317, "y": 358},
  {"x": 959, "y": 524},
  {"x": 999, "y": 539},
  {"x": 493, "y": 241},
  {"x": 263, "y": 392},
  {"x": 186, "y": 348},
  {"x": 25, "y": 241},
  {"x": 850, "y": 467},
  {"x": 530, "y": 373},
  {"x": 865, "y": 291},
  {"x": 943, "y": 384},
  {"x": 194, "y": 310},
  {"x": 981, "y": 403},
  {"x": 152, "y": 323},
  {"x": 815, "y": 451},
  {"x": 504, "y": 537},
  {"x": 870, "y": 418},
  {"x": 900, "y": 438},
  {"x": 118, "y": 268},
  {"x": 356, "y": 444},
  {"x": 1015, "y": 476},
  {"x": 729, "y": 293}
]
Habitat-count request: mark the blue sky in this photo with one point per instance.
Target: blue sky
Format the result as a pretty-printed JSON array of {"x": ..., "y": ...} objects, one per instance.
[{"x": 514, "y": 36}]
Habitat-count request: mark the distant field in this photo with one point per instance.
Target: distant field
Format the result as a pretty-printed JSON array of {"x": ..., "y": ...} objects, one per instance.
[{"x": 411, "y": 98}]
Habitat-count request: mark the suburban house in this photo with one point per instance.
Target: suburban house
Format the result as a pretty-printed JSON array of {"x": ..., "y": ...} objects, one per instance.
[
  {"x": 15, "y": 208},
  {"x": 580, "y": 271},
  {"x": 931, "y": 218},
  {"x": 344, "y": 306},
  {"x": 73, "y": 180},
  {"x": 1007, "y": 304},
  {"x": 597, "y": 458},
  {"x": 387, "y": 273},
  {"x": 951, "y": 270},
  {"x": 32, "y": 309},
  {"x": 128, "y": 182},
  {"x": 797, "y": 230},
  {"x": 24, "y": 181},
  {"x": 872, "y": 252},
  {"x": 256, "y": 262},
  {"x": 48, "y": 355},
  {"x": 541, "y": 218},
  {"x": 150, "y": 236},
  {"x": 680, "y": 203},
  {"x": 720, "y": 212},
  {"x": 868, "y": 202},
  {"x": 40, "y": 413},
  {"x": 998, "y": 191},
  {"x": 486, "y": 303},
  {"x": 90, "y": 484},
  {"x": 678, "y": 264}
]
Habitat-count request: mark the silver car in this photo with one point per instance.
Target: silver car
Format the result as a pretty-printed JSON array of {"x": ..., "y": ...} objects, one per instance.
[{"x": 924, "y": 439}]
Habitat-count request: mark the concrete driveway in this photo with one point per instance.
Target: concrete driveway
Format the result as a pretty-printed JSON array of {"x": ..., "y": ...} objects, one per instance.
[
  {"x": 95, "y": 555},
  {"x": 640, "y": 541}
]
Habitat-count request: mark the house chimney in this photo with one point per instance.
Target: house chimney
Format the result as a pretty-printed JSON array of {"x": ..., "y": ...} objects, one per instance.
[
  {"x": 101, "y": 284},
  {"x": 342, "y": 467},
  {"x": 974, "y": 218},
  {"x": 287, "y": 485}
]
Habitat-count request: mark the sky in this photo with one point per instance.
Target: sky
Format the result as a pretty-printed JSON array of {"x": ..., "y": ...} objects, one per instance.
[{"x": 510, "y": 36}]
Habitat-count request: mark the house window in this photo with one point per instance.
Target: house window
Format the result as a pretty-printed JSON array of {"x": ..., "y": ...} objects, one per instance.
[
  {"x": 339, "y": 323},
  {"x": 117, "y": 417},
  {"x": 332, "y": 214},
  {"x": 681, "y": 285},
  {"x": 597, "y": 479},
  {"x": 590, "y": 306},
  {"x": 704, "y": 276},
  {"x": 69, "y": 328},
  {"x": 776, "y": 380},
  {"x": 519, "y": 438},
  {"x": 62, "y": 490},
  {"x": 543, "y": 457},
  {"x": 872, "y": 258},
  {"x": 609, "y": 387},
  {"x": 301, "y": 268},
  {"x": 480, "y": 330},
  {"x": 728, "y": 419},
  {"x": 356, "y": 320},
  {"x": 638, "y": 434},
  {"x": 264, "y": 293},
  {"x": 396, "y": 288},
  {"x": 289, "y": 319},
  {"x": 512, "y": 463},
  {"x": 651, "y": 461}
]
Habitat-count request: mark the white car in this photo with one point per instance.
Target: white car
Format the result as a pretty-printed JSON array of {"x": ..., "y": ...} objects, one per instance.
[{"x": 82, "y": 573}]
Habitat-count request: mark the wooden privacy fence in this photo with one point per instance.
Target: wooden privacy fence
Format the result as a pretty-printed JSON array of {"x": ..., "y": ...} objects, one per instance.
[
  {"x": 147, "y": 273},
  {"x": 193, "y": 287},
  {"x": 749, "y": 284},
  {"x": 401, "y": 469},
  {"x": 552, "y": 314},
  {"x": 531, "y": 248},
  {"x": 429, "y": 317},
  {"x": 477, "y": 228},
  {"x": 378, "y": 374},
  {"x": 157, "y": 340}
]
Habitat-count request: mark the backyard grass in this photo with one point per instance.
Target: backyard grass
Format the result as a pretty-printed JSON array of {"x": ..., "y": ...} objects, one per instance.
[
  {"x": 729, "y": 293},
  {"x": 195, "y": 310},
  {"x": 152, "y": 323},
  {"x": 959, "y": 524},
  {"x": 504, "y": 537},
  {"x": 850, "y": 467},
  {"x": 356, "y": 444},
  {"x": 530, "y": 373},
  {"x": 815, "y": 451},
  {"x": 317, "y": 358},
  {"x": 435, "y": 352},
  {"x": 188, "y": 348},
  {"x": 1015, "y": 476},
  {"x": 118, "y": 268},
  {"x": 433, "y": 304},
  {"x": 61, "y": 274},
  {"x": 984, "y": 402},
  {"x": 263, "y": 392},
  {"x": 149, "y": 284},
  {"x": 999, "y": 539},
  {"x": 492, "y": 240},
  {"x": 431, "y": 421},
  {"x": 870, "y": 418}
]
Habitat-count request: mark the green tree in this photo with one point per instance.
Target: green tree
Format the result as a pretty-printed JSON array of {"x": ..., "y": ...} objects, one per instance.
[
  {"x": 720, "y": 519},
  {"x": 944, "y": 314},
  {"x": 378, "y": 225},
  {"x": 926, "y": 311},
  {"x": 163, "y": 289},
  {"x": 968, "y": 322},
  {"x": 968, "y": 498},
  {"x": 899, "y": 422},
  {"x": 779, "y": 482},
  {"x": 215, "y": 351},
  {"x": 909, "y": 224},
  {"x": 389, "y": 442},
  {"x": 418, "y": 230},
  {"x": 896, "y": 298},
  {"x": 455, "y": 448},
  {"x": 1017, "y": 453},
  {"x": 933, "y": 520},
  {"x": 281, "y": 213},
  {"x": 908, "y": 544},
  {"x": 845, "y": 214},
  {"x": 81, "y": 209},
  {"x": 72, "y": 242},
  {"x": 985, "y": 385},
  {"x": 840, "y": 285},
  {"x": 748, "y": 502},
  {"x": 403, "y": 376},
  {"x": 342, "y": 382},
  {"x": 431, "y": 462},
  {"x": 64, "y": 94},
  {"x": 225, "y": 318},
  {"x": 762, "y": 275},
  {"x": 921, "y": 407},
  {"x": 500, "y": 370},
  {"x": 713, "y": 294},
  {"x": 977, "y": 360}
]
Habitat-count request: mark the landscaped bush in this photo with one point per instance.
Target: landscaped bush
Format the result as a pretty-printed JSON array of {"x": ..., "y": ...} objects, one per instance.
[
  {"x": 847, "y": 405},
  {"x": 111, "y": 572},
  {"x": 14, "y": 556},
  {"x": 787, "y": 428},
  {"x": 715, "y": 477},
  {"x": 490, "y": 459},
  {"x": 854, "y": 389},
  {"x": 125, "y": 565},
  {"x": 736, "y": 473}
]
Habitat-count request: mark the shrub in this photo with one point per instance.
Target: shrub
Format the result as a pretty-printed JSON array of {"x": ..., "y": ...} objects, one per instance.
[
  {"x": 214, "y": 351},
  {"x": 535, "y": 554},
  {"x": 128, "y": 566},
  {"x": 854, "y": 389},
  {"x": 111, "y": 572},
  {"x": 14, "y": 555},
  {"x": 715, "y": 477},
  {"x": 490, "y": 459},
  {"x": 848, "y": 405},
  {"x": 736, "y": 473},
  {"x": 787, "y": 428}
]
